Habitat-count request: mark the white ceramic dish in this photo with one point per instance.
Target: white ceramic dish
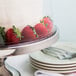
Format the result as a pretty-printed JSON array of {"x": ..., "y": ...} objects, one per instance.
[
  {"x": 53, "y": 68},
  {"x": 6, "y": 51},
  {"x": 51, "y": 65},
  {"x": 43, "y": 58},
  {"x": 28, "y": 47},
  {"x": 48, "y": 73},
  {"x": 62, "y": 72}
]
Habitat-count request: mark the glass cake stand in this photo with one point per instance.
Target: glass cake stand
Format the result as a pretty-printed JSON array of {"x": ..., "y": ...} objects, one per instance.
[{"x": 23, "y": 48}]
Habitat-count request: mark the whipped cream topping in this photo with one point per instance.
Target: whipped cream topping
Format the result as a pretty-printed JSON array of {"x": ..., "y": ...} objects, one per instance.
[{"x": 20, "y": 12}]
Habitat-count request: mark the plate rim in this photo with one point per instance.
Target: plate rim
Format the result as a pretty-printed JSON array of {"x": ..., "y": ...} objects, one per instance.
[
  {"x": 54, "y": 66},
  {"x": 69, "y": 62}
]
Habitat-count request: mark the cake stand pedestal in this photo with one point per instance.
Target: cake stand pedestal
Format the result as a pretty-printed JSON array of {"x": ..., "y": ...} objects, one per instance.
[
  {"x": 23, "y": 48},
  {"x": 4, "y": 53},
  {"x": 3, "y": 70}
]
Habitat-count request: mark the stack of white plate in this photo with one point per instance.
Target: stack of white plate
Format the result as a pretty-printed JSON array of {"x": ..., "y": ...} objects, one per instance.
[{"x": 39, "y": 60}]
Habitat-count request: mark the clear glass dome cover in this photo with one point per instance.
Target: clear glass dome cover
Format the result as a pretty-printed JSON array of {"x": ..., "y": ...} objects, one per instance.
[
  {"x": 19, "y": 24},
  {"x": 23, "y": 28},
  {"x": 29, "y": 41},
  {"x": 29, "y": 34}
]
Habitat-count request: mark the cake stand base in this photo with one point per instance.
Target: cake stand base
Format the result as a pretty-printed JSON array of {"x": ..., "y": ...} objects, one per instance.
[
  {"x": 3, "y": 70},
  {"x": 23, "y": 48},
  {"x": 7, "y": 70}
]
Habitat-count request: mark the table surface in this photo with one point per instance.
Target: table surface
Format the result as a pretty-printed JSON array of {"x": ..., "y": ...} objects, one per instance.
[{"x": 22, "y": 64}]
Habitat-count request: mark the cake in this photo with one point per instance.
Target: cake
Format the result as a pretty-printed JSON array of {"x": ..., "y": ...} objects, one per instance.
[
  {"x": 23, "y": 21},
  {"x": 20, "y": 12}
]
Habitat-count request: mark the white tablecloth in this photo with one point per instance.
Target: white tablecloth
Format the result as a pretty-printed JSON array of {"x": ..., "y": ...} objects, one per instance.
[{"x": 22, "y": 64}]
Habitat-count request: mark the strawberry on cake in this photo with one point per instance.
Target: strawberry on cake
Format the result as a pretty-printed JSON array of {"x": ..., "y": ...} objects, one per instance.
[
  {"x": 14, "y": 35},
  {"x": 21, "y": 20}
]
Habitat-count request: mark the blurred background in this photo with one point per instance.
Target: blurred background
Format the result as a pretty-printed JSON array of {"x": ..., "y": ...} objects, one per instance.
[{"x": 63, "y": 13}]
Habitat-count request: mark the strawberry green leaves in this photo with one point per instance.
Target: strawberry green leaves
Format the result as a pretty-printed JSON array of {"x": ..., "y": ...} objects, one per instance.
[
  {"x": 33, "y": 29},
  {"x": 2, "y": 36},
  {"x": 17, "y": 32}
]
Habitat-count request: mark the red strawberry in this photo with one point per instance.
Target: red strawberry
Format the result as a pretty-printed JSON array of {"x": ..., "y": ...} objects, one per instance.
[
  {"x": 13, "y": 35},
  {"x": 15, "y": 39},
  {"x": 41, "y": 30},
  {"x": 29, "y": 33},
  {"x": 48, "y": 23}
]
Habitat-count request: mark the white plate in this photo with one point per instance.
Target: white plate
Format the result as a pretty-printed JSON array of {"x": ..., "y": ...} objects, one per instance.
[
  {"x": 33, "y": 46},
  {"x": 6, "y": 51},
  {"x": 54, "y": 68},
  {"x": 51, "y": 65},
  {"x": 44, "y": 72},
  {"x": 43, "y": 58},
  {"x": 62, "y": 72}
]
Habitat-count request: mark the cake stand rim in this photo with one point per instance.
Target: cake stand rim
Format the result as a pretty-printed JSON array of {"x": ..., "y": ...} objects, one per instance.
[{"x": 34, "y": 43}]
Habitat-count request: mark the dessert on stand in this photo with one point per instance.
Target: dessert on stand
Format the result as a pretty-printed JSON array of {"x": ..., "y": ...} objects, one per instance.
[
  {"x": 23, "y": 30},
  {"x": 30, "y": 39}
]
